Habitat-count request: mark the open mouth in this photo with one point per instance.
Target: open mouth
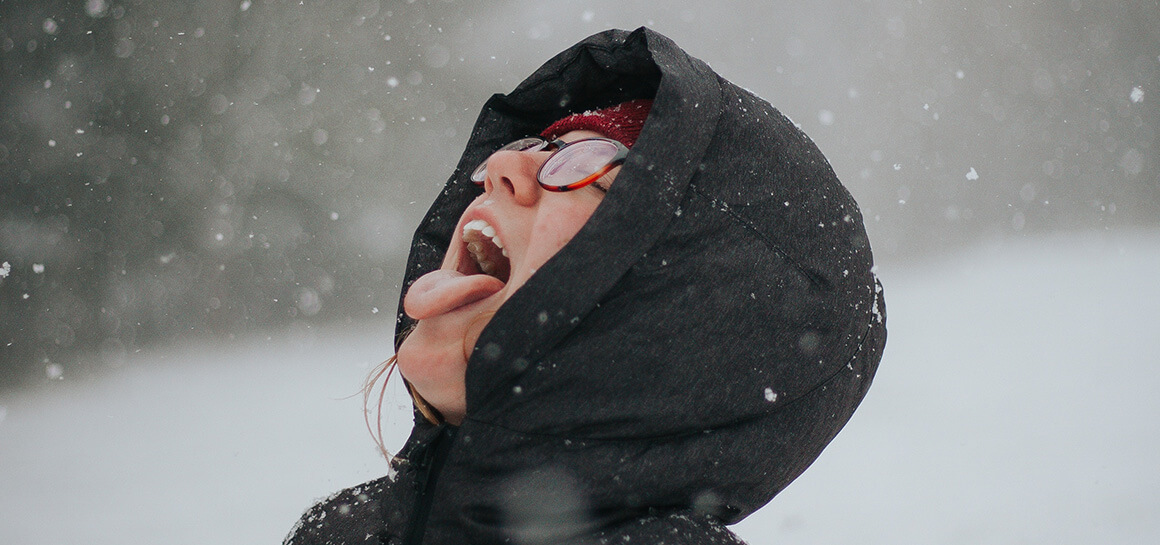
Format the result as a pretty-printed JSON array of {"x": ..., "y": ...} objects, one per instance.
[{"x": 488, "y": 255}]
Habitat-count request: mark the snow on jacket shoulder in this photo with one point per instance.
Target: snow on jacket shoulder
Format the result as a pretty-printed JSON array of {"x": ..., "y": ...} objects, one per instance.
[{"x": 682, "y": 359}]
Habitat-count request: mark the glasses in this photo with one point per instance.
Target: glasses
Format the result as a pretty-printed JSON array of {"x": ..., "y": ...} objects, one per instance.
[{"x": 571, "y": 166}]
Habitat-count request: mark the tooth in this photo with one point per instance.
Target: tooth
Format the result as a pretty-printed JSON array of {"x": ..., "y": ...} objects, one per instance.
[
  {"x": 498, "y": 243},
  {"x": 474, "y": 225},
  {"x": 487, "y": 267},
  {"x": 488, "y": 231},
  {"x": 475, "y": 248},
  {"x": 505, "y": 252}
]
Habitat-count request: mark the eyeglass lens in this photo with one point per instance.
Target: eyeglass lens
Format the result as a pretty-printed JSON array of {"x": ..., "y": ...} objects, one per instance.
[
  {"x": 571, "y": 163},
  {"x": 523, "y": 144},
  {"x": 576, "y": 162}
]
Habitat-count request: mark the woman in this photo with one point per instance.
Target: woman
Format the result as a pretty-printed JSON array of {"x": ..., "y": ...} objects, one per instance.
[{"x": 661, "y": 351}]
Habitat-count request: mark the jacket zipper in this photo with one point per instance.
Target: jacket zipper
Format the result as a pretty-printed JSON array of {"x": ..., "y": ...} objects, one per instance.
[{"x": 433, "y": 458}]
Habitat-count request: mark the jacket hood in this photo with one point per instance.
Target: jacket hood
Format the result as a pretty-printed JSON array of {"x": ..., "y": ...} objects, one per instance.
[{"x": 698, "y": 342}]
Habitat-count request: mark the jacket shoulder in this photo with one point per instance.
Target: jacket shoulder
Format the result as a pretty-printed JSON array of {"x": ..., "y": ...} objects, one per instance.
[
  {"x": 681, "y": 528},
  {"x": 354, "y": 515}
]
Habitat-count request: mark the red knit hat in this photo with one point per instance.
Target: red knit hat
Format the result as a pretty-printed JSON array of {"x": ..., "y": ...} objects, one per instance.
[{"x": 622, "y": 122}]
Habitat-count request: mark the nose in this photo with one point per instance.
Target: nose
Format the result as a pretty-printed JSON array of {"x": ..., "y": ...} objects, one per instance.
[{"x": 514, "y": 173}]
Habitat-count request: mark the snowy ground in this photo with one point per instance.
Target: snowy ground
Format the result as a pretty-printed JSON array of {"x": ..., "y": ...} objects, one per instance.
[{"x": 1016, "y": 404}]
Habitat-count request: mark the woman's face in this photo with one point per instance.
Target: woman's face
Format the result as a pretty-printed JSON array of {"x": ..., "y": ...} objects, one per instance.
[{"x": 503, "y": 237}]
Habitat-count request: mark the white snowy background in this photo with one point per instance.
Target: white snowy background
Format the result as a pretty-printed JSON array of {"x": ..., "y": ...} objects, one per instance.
[
  {"x": 1003, "y": 152},
  {"x": 1016, "y": 404}
]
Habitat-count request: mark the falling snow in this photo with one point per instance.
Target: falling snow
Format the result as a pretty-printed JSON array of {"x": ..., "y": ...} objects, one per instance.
[
  {"x": 168, "y": 177},
  {"x": 113, "y": 415}
]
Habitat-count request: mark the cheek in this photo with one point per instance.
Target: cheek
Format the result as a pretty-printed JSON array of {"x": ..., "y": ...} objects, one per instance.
[{"x": 556, "y": 228}]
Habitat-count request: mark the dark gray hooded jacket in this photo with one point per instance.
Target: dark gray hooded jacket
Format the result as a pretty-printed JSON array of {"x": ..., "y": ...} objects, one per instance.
[{"x": 687, "y": 355}]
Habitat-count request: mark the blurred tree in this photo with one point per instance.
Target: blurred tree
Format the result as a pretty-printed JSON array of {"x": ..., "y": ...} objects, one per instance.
[
  {"x": 212, "y": 167},
  {"x": 215, "y": 167},
  {"x": 1014, "y": 118}
]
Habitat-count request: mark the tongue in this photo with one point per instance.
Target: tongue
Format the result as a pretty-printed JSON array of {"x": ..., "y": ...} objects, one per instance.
[{"x": 441, "y": 291}]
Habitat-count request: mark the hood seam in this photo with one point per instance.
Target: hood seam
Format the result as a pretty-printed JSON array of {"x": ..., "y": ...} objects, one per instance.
[
  {"x": 565, "y": 69},
  {"x": 723, "y": 206}
]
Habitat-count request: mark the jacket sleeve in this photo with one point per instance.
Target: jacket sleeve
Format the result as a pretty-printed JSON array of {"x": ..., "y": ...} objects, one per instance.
[
  {"x": 356, "y": 515},
  {"x": 681, "y": 528}
]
